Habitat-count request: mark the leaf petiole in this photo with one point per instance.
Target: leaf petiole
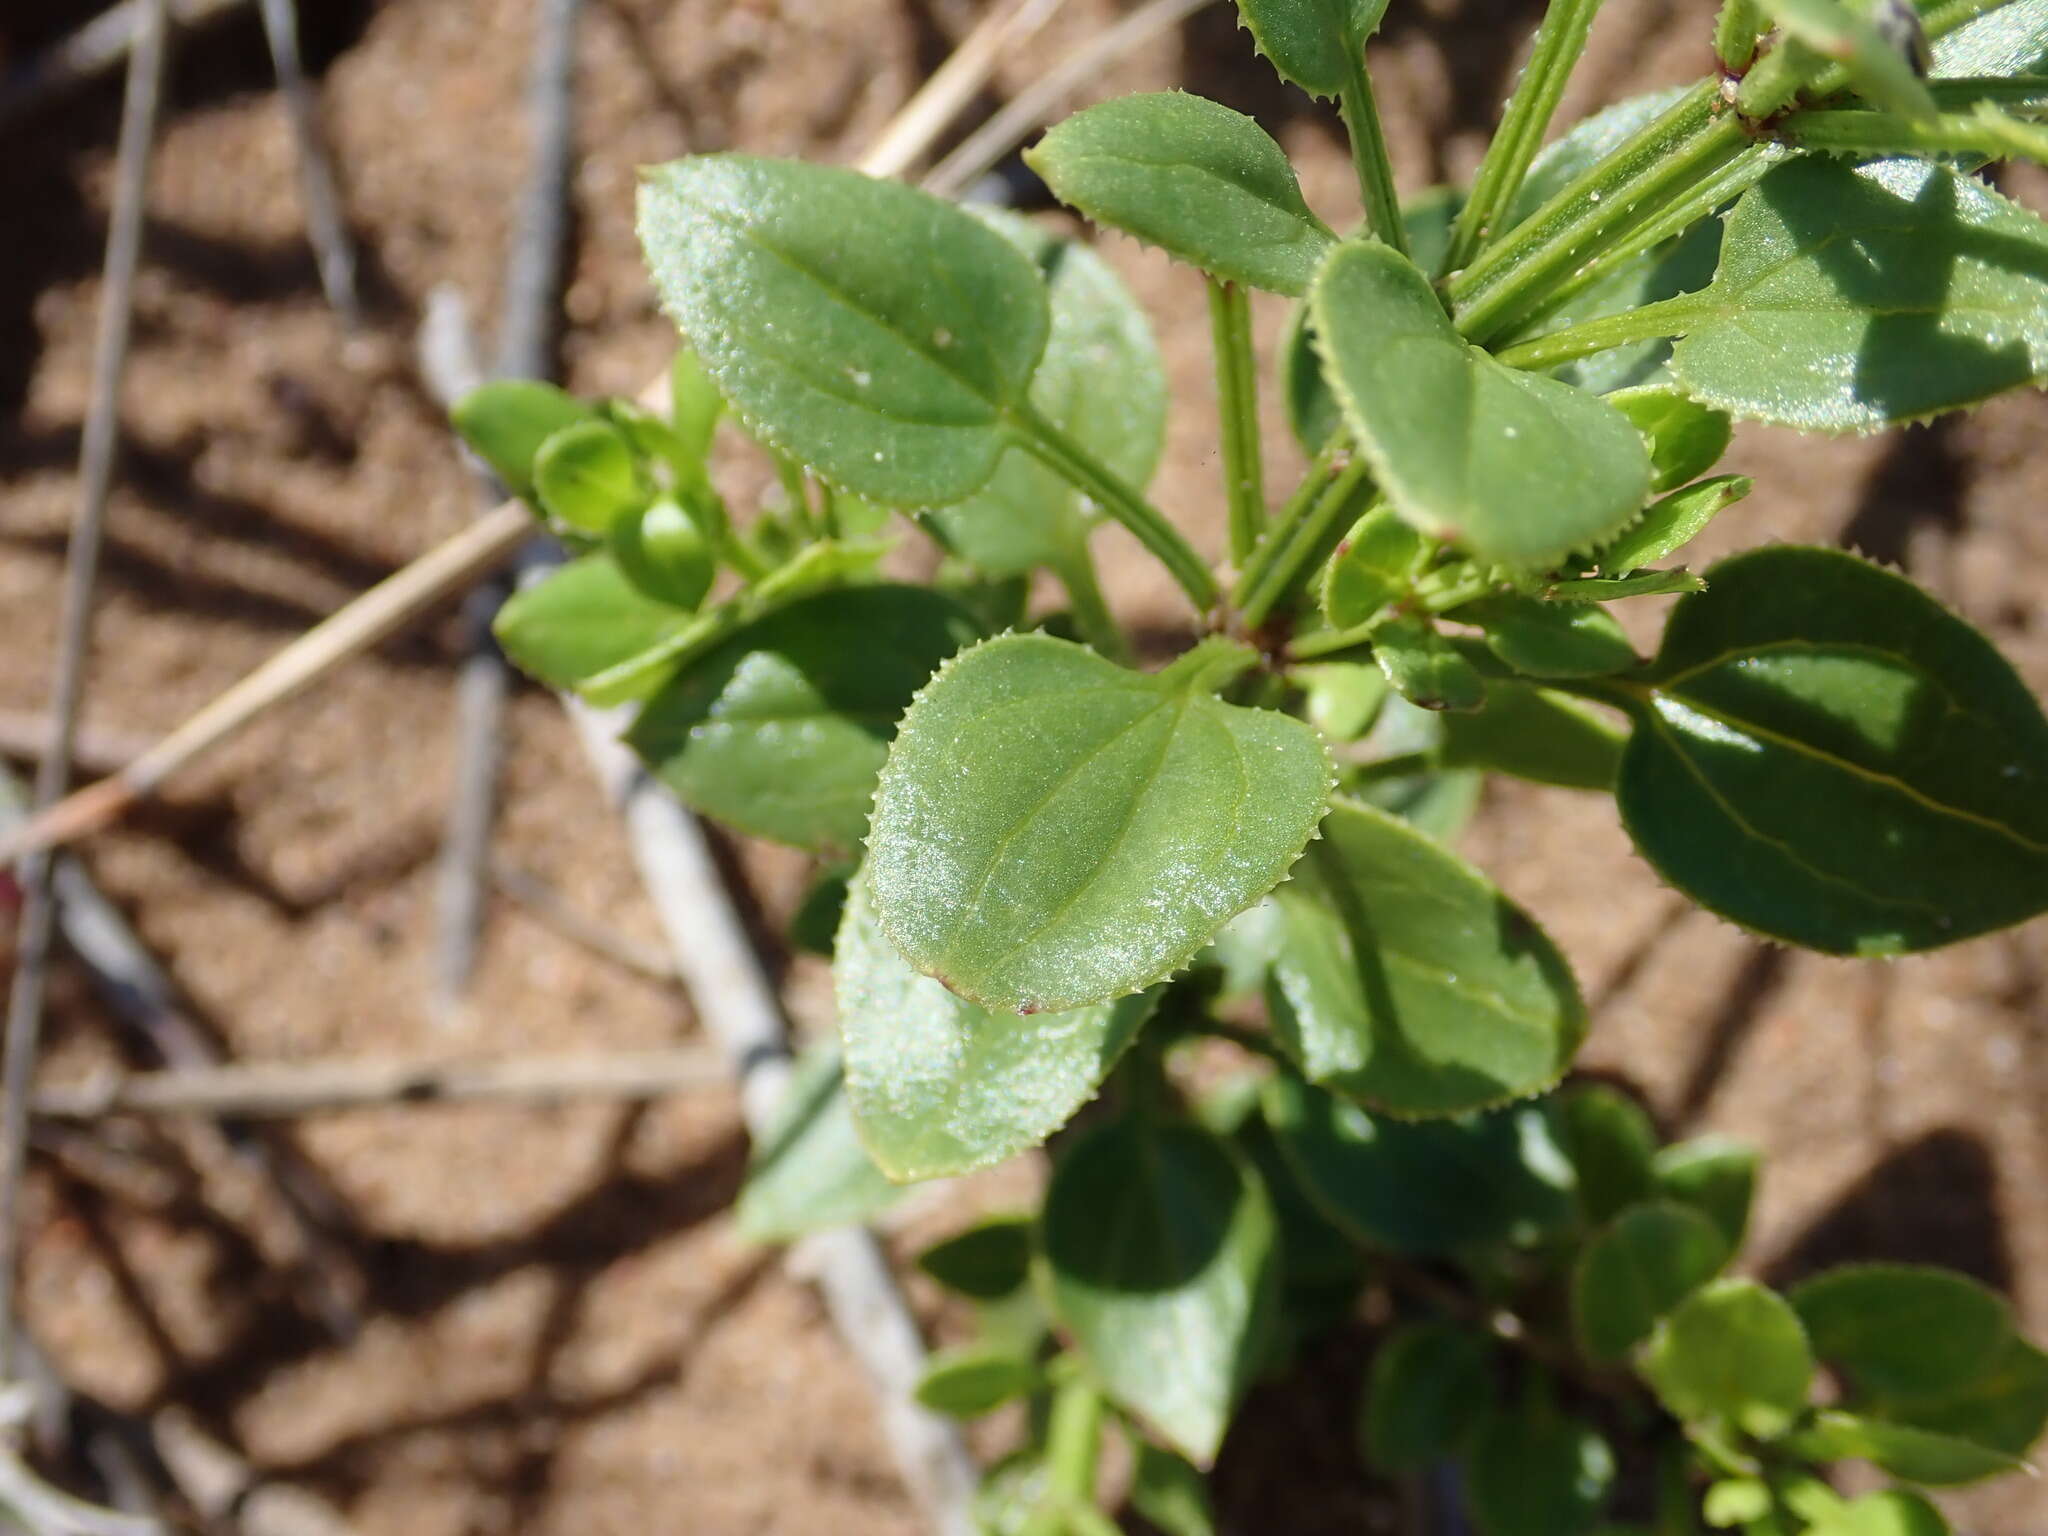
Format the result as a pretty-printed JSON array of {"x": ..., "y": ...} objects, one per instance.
[
  {"x": 1361, "y": 115},
  {"x": 1651, "y": 322},
  {"x": 1098, "y": 626},
  {"x": 1736, "y": 30},
  {"x": 1237, "y": 391},
  {"x": 1986, "y": 131}
]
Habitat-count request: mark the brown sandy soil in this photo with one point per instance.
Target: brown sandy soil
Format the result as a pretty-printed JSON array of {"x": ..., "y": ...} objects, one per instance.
[{"x": 562, "y": 1331}]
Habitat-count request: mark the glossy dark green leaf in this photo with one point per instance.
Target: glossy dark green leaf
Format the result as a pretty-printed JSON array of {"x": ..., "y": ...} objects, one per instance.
[
  {"x": 974, "y": 1379},
  {"x": 1637, "y": 1269},
  {"x": 1551, "y": 639},
  {"x": 1612, "y": 1144},
  {"x": 664, "y": 554},
  {"x": 1673, "y": 522},
  {"x": 1537, "y": 1473},
  {"x": 781, "y": 729},
  {"x": 1053, "y": 830},
  {"x": 1535, "y": 734},
  {"x": 1733, "y": 1353},
  {"x": 507, "y": 420},
  {"x": 1518, "y": 468},
  {"x": 889, "y": 363},
  {"x": 1170, "y": 1493},
  {"x": 2005, "y": 1407},
  {"x": 1917, "y": 1455},
  {"x": 1903, "y": 1329},
  {"x": 1895, "y": 1512},
  {"x": 1189, "y": 175},
  {"x": 1404, "y": 979},
  {"x": 1428, "y": 1186},
  {"x": 1100, "y": 381},
  {"x": 1849, "y": 298},
  {"x": 1832, "y": 759},
  {"x": 1686, "y": 438},
  {"x": 1344, "y": 698},
  {"x": 588, "y": 476},
  {"x": 986, "y": 1262},
  {"x": 1375, "y": 563},
  {"x": 1311, "y": 43},
  {"x": 1425, "y": 668},
  {"x": 581, "y": 620},
  {"x": 941, "y": 1086},
  {"x": 1428, "y": 1390},
  {"x": 1713, "y": 1175},
  {"x": 809, "y": 1172},
  {"x": 1159, "y": 1248}
]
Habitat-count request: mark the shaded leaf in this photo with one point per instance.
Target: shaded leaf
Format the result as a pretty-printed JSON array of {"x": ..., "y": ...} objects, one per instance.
[
  {"x": 664, "y": 554},
  {"x": 1537, "y": 1473},
  {"x": 1611, "y": 1142},
  {"x": 1425, "y": 668},
  {"x": 507, "y": 420},
  {"x": 1551, "y": 639},
  {"x": 1731, "y": 1352},
  {"x": 1903, "y": 1329},
  {"x": 1343, "y": 697},
  {"x": 1716, "y": 1177},
  {"x": 1170, "y": 1493},
  {"x": 694, "y": 403},
  {"x": 2003, "y": 1407},
  {"x": 1917, "y": 1455},
  {"x": 588, "y": 476},
  {"x": 1686, "y": 438},
  {"x": 1638, "y": 1268},
  {"x": 1535, "y": 734},
  {"x": 1671, "y": 523},
  {"x": 809, "y": 1172},
  {"x": 1375, "y": 563},
  {"x": 986, "y": 1262},
  {"x": 1429, "y": 1388}
]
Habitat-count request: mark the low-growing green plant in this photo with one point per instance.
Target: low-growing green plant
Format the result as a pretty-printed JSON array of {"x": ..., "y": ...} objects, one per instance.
[{"x": 1047, "y": 877}]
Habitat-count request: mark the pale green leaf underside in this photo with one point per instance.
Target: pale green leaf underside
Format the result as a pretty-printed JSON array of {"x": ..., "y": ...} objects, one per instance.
[
  {"x": 1194, "y": 178},
  {"x": 871, "y": 331},
  {"x": 1849, "y": 299},
  {"x": 1052, "y": 830},
  {"x": 1519, "y": 468},
  {"x": 1409, "y": 982},
  {"x": 940, "y": 1086}
]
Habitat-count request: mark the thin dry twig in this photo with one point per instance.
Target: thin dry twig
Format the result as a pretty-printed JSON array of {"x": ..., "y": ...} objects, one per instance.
[
  {"x": 546, "y": 906},
  {"x": 81, "y": 574},
  {"x": 325, "y": 225},
  {"x": 953, "y": 84},
  {"x": 288, "y": 1089},
  {"x": 91, "y": 51}
]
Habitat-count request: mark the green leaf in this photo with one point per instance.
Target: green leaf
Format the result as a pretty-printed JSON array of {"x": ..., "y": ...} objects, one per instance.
[
  {"x": 1611, "y": 1142},
  {"x": 1634, "y": 1271},
  {"x": 1322, "y": 1268},
  {"x": 940, "y": 1086},
  {"x": 986, "y": 1262},
  {"x": 694, "y": 403},
  {"x": 1537, "y": 1473},
  {"x": 780, "y": 730},
  {"x": 1170, "y": 1493},
  {"x": 507, "y": 420},
  {"x": 1518, "y": 468},
  {"x": 888, "y": 361},
  {"x": 1344, "y": 697},
  {"x": 588, "y": 476},
  {"x": 1052, "y": 830},
  {"x": 814, "y": 926},
  {"x": 1428, "y": 1186},
  {"x": 1310, "y": 42},
  {"x": 1535, "y": 734},
  {"x": 967, "y": 1382},
  {"x": 580, "y": 621},
  {"x": 1429, "y": 1389},
  {"x": 1736, "y": 1501},
  {"x": 2005, "y": 41},
  {"x": 1917, "y": 1455},
  {"x": 1011, "y": 1494},
  {"x": 1375, "y": 563},
  {"x": 1880, "y": 70},
  {"x": 1832, "y": 759},
  {"x": 1716, "y": 1177},
  {"x": 1159, "y": 1247},
  {"x": 1425, "y": 668},
  {"x": 1903, "y": 1329},
  {"x": 1849, "y": 299},
  {"x": 1189, "y": 175},
  {"x": 1686, "y": 438},
  {"x": 1100, "y": 381},
  {"x": 1404, "y": 979},
  {"x": 1640, "y": 584},
  {"x": 1673, "y": 522},
  {"x": 1551, "y": 639},
  {"x": 809, "y": 1172},
  {"x": 1732, "y": 1352},
  {"x": 2004, "y": 1407},
  {"x": 664, "y": 554},
  {"x": 1894, "y": 1512}
]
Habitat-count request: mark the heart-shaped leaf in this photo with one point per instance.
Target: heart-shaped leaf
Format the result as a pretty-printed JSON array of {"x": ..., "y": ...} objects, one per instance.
[
  {"x": 1404, "y": 979},
  {"x": 1634, "y": 1271},
  {"x": 940, "y": 1086},
  {"x": 1851, "y": 298},
  {"x": 1903, "y": 1330},
  {"x": 1732, "y": 1352},
  {"x": 1518, "y": 468},
  {"x": 1053, "y": 830},
  {"x": 1189, "y": 175},
  {"x": 1312, "y": 43},
  {"x": 780, "y": 730},
  {"x": 1159, "y": 1250},
  {"x": 1831, "y": 758},
  {"x": 876, "y": 333}
]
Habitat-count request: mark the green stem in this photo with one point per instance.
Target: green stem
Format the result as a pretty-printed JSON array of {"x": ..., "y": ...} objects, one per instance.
[
  {"x": 1237, "y": 400},
  {"x": 1369, "y": 152},
  {"x": 1074, "y": 464},
  {"x": 1653, "y": 322},
  {"x": 1294, "y": 551},
  {"x": 1098, "y": 626},
  {"x": 1073, "y": 1445},
  {"x": 1882, "y": 133},
  {"x": 828, "y": 510},
  {"x": 1778, "y": 78},
  {"x": 1736, "y": 30},
  {"x": 794, "y": 489},
  {"x": 1559, "y": 43},
  {"x": 1406, "y": 765},
  {"x": 1332, "y": 642}
]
